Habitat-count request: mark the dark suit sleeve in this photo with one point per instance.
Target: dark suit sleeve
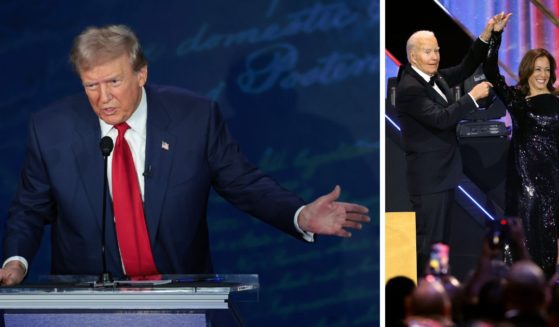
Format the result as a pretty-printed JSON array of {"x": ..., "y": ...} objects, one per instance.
[
  {"x": 416, "y": 101},
  {"x": 475, "y": 57},
  {"x": 245, "y": 186},
  {"x": 419, "y": 104},
  {"x": 32, "y": 207}
]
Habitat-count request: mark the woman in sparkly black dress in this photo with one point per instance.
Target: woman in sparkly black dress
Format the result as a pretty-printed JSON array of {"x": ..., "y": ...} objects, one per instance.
[{"x": 534, "y": 167}]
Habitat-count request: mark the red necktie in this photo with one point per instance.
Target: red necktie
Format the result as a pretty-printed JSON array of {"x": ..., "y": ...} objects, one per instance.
[{"x": 131, "y": 231}]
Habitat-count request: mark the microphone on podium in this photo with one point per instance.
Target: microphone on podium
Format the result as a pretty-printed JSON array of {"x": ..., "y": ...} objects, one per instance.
[{"x": 106, "y": 145}]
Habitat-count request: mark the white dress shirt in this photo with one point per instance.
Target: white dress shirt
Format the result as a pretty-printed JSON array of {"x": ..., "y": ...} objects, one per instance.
[
  {"x": 136, "y": 138},
  {"x": 427, "y": 78}
]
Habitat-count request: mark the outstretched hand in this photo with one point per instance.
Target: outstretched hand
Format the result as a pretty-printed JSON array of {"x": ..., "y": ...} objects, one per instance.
[
  {"x": 327, "y": 217},
  {"x": 12, "y": 274}
]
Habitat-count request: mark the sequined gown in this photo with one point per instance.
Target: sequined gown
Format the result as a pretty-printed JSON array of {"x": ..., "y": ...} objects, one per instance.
[{"x": 533, "y": 178}]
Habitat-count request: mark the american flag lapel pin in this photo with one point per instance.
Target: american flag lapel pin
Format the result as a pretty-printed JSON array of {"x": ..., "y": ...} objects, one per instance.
[{"x": 164, "y": 145}]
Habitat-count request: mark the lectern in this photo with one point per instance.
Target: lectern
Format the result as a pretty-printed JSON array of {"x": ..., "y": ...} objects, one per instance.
[{"x": 171, "y": 300}]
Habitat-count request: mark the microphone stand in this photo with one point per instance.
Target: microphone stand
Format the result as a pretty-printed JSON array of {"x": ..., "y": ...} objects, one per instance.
[{"x": 105, "y": 279}]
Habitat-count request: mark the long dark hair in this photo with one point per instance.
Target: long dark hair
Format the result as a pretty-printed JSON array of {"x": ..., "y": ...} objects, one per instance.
[{"x": 526, "y": 69}]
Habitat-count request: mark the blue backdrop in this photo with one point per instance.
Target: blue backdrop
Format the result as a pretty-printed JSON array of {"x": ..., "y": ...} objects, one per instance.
[{"x": 298, "y": 84}]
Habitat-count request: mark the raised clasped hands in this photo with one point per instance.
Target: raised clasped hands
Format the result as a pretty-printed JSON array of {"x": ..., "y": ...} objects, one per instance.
[
  {"x": 326, "y": 216},
  {"x": 500, "y": 21},
  {"x": 495, "y": 24}
]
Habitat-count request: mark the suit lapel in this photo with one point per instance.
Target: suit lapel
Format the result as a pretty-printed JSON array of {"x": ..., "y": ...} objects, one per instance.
[
  {"x": 436, "y": 96},
  {"x": 441, "y": 82},
  {"x": 160, "y": 147},
  {"x": 88, "y": 157},
  {"x": 159, "y": 156}
]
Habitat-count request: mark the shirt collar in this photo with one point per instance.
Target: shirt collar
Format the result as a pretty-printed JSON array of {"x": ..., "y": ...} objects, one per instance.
[
  {"x": 426, "y": 77},
  {"x": 137, "y": 121}
]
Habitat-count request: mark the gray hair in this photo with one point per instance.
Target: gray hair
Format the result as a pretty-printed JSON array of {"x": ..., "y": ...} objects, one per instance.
[
  {"x": 414, "y": 38},
  {"x": 100, "y": 44}
]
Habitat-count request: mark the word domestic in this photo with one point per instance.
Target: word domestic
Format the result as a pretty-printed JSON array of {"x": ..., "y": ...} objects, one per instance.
[{"x": 317, "y": 18}]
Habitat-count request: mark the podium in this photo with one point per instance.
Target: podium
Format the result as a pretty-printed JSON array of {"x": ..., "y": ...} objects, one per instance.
[{"x": 171, "y": 300}]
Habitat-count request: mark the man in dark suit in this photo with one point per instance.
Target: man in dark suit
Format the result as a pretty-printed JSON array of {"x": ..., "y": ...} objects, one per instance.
[
  {"x": 170, "y": 148},
  {"x": 429, "y": 114}
]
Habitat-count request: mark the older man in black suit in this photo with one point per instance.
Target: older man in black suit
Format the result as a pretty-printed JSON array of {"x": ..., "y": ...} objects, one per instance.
[{"x": 429, "y": 114}]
